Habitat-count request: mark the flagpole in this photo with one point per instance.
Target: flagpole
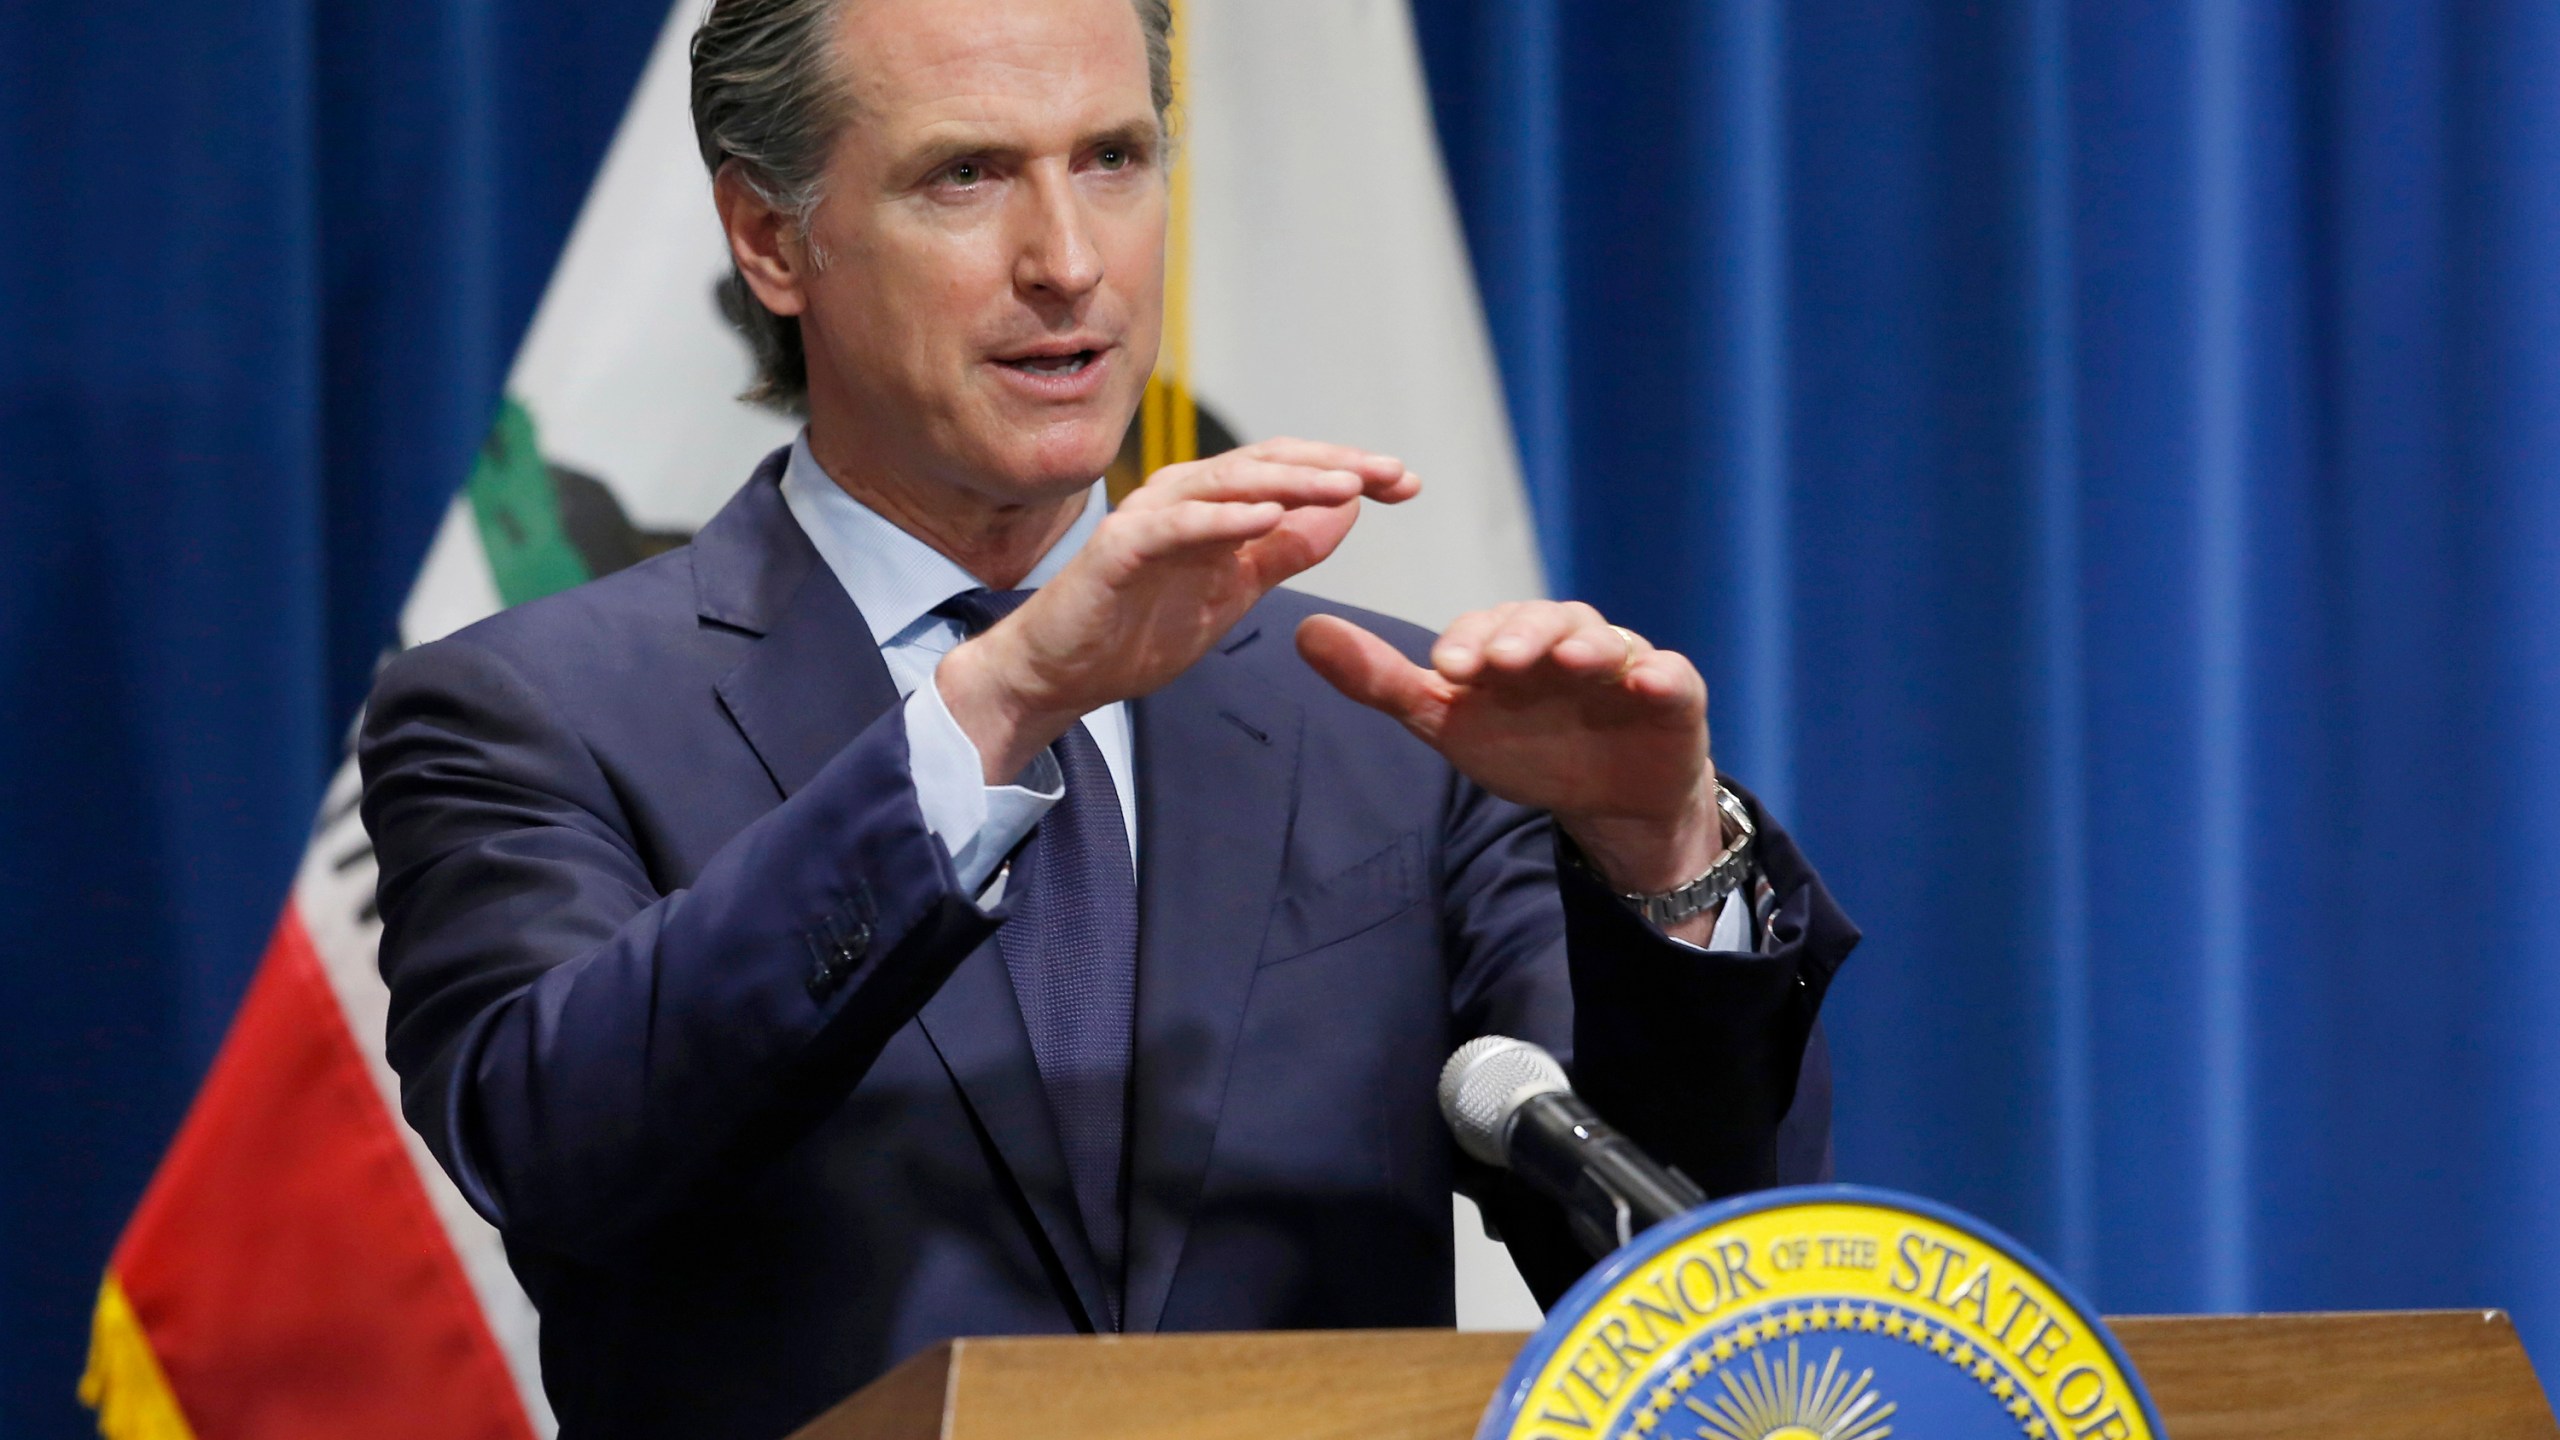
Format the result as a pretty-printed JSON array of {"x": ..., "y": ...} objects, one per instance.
[{"x": 1171, "y": 422}]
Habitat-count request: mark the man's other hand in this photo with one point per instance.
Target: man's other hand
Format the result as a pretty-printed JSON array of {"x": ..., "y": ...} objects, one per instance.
[
  {"x": 1164, "y": 577},
  {"x": 1549, "y": 705}
]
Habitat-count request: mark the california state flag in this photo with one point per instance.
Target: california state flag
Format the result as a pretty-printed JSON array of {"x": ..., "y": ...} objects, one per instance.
[{"x": 299, "y": 1266}]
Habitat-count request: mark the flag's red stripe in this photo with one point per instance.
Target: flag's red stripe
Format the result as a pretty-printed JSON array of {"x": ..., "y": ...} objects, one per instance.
[{"x": 286, "y": 1264}]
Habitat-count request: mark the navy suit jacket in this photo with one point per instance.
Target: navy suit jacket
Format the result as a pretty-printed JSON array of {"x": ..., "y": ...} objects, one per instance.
[{"x": 686, "y": 999}]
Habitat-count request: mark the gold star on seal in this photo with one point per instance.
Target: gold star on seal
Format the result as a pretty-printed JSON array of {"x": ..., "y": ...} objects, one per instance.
[
  {"x": 2036, "y": 1430},
  {"x": 1895, "y": 1326},
  {"x": 1943, "y": 1341},
  {"x": 1868, "y": 1319},
  {"x": 1680, "y": 1377},
  {"x": 1792, "y": 1322},
  {"x": 1963, "y": 1355},
  {"x": 1722, "y": 1351},
  {"x": 1819, "y": 1318},
  {"x": 2004, "y": 1387}
]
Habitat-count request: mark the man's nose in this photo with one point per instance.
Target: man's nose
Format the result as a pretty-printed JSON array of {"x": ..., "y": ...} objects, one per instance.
[{"x": 1057, "y": 255}]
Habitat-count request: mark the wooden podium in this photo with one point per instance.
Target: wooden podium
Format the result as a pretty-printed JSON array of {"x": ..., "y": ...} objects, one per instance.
[{"x": 2380, "y": 1376}]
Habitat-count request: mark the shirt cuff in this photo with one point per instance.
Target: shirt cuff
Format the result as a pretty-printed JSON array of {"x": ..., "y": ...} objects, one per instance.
[
  {"x": 1733, "y": 928},
  {"x": 978, "y": 823}
]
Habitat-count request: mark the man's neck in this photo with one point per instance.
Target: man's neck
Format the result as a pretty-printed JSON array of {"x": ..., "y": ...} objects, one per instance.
[{"x": 997, "y": 541}]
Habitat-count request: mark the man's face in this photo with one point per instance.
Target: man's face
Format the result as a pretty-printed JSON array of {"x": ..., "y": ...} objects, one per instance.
[{"x": 993, "y": 230}]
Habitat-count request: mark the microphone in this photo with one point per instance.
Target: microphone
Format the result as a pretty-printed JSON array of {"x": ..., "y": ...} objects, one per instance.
[{"x": 1511, "y": 1107}]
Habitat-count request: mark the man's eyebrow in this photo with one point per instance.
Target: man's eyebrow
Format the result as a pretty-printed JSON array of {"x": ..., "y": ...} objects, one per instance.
[
  {"x": 931, "y": 155},
  {"x": 1128, "y": 135}
]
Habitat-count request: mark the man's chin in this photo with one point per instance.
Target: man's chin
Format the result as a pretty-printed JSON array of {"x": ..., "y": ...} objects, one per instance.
[{"x": 1055, "y": 460}]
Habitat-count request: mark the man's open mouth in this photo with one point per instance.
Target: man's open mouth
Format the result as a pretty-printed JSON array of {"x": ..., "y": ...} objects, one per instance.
[{"x": 1067, "y": 364}]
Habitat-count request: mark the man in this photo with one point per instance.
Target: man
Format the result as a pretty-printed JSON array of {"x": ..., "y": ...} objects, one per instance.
[{"x": 805, "y": 948}]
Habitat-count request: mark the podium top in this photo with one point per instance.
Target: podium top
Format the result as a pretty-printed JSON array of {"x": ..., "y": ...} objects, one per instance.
[{"x": 2391, "y": 1375}]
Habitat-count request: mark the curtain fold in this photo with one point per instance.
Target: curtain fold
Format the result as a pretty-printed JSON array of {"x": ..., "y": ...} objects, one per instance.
[{"x": 2107, "y": 461}]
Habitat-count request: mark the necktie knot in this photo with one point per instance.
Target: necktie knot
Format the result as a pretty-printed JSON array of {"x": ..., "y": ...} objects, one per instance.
[{"x": 976, "y": 610}]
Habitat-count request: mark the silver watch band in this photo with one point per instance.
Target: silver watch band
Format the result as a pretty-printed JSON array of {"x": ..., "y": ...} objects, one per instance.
[{"x": 1685, "y": 902}]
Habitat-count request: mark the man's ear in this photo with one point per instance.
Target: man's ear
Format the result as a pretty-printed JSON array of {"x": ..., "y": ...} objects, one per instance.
[{"x": 765, "y": 241}]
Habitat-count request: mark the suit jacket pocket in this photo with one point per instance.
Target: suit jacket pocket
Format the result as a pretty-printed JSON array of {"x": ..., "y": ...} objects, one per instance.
[{"x": 1362, "y": 897}]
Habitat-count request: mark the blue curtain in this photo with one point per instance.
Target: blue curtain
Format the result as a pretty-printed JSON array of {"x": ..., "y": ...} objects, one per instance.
[
  {"x": 2107, "y": 461},
  {"x": 2106, "y": 458},
  {"x": 263, "y": 269}
]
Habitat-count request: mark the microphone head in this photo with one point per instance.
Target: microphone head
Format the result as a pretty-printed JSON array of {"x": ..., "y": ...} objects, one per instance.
[{"x": 1484, "y": 1085}]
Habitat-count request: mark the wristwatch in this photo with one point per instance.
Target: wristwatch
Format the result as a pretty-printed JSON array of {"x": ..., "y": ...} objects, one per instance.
[{"x": 1670, "y": 907}]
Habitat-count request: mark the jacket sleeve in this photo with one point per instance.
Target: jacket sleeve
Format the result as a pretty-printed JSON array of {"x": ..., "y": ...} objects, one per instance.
[
  {"x": 1703, "y": 1059},
  {"x": 582, "y": 1052}
]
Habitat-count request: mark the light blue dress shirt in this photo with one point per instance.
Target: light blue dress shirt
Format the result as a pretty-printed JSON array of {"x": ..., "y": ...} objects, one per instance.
[{"x": 896, "y": 580}]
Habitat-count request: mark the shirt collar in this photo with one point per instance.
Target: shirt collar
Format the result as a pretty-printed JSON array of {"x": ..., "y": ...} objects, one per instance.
[{"x": 893, "y": 578}]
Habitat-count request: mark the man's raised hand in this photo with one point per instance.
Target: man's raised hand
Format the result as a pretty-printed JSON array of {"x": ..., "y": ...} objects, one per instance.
[
  {"x": 1548, "y": 705},
  {"x": 1164, "y": 577}
]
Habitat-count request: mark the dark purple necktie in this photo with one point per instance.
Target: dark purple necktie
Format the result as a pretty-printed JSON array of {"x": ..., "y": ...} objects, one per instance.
[{"x": 1072, "y": 950}]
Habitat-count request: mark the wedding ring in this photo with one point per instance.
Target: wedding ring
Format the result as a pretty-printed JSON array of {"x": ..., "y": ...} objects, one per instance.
[{"x": 1635, "y": 650}]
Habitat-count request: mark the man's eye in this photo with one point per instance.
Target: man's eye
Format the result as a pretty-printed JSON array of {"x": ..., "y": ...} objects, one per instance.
[
  {"x": 1112, "y": 158},
  {"x": 965, "y": 173}
]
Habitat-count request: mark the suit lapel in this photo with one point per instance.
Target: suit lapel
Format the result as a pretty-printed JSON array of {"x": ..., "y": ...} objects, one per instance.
[
  {"x": 976, "y": 1026},
  {"x": 811, "y": 683},
  {"x": 1217, "y": 754},
  {"x": 814, "y": 678}
]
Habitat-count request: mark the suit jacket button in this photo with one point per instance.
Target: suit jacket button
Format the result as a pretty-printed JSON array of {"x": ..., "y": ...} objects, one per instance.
[
  {"x": 822, "y": 978},
  {"x": 854, "y": 944}
]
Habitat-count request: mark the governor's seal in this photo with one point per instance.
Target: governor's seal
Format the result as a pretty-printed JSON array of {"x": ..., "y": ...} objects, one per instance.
[{"x": 1827, "y": 1312}]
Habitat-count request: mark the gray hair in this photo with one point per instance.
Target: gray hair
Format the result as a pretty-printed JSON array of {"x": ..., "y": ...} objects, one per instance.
[{"x": 768, "y": 98}]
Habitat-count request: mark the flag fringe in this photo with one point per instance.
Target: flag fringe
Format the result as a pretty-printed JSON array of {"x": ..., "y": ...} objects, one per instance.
[{"x": 124, "y": 1383}]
